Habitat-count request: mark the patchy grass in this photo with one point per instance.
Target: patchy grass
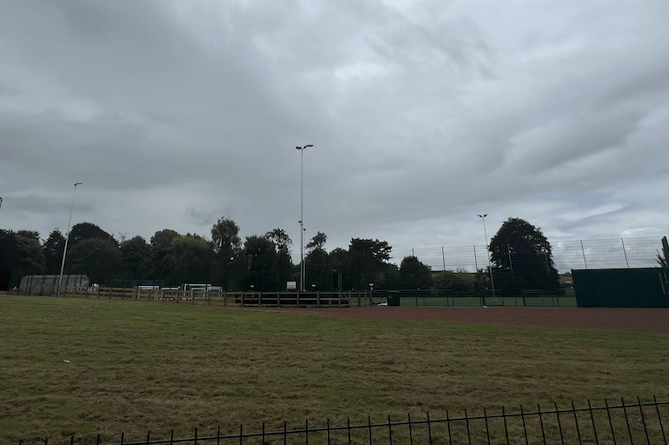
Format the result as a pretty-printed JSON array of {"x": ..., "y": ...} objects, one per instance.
[{"x": 88, "y": 367}]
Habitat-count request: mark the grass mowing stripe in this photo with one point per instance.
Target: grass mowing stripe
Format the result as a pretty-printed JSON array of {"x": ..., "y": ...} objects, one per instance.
[{"x": 99, "y": 366}]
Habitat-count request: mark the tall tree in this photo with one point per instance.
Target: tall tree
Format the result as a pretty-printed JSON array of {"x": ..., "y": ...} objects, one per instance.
[
  {"x": 98, "y": 258},
  {"x": 414, "y": 274},
  {"x": 343, "y": 271},
  {"x": 20, "y": 255},
  {"x": 261, "y": 258},
  {"x": 135, "y": 254},
  {"x": 161, "y": 258},
  {"x": 318, "y": 271},
  {"x": 227, "y": 249},
  {"x": 192, "y": 258},
  {"x": 225, "y": 237},
  {"x": 370, "y": 259},
  {"x": 284, "y": 263},
  {"x": 9, "y": 258},
  {"x": 86, "y": 230},
  {"x": 53, "y": 248},
  {"x": 522, "y": 257},
  {"x": 29, "y": 234},
  {"x": 317, "y": 242}
]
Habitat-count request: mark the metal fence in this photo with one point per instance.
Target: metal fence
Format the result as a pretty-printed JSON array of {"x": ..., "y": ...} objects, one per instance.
[
  {"x": 636, "y": 422},
  {"x": 567, "y": 255}
]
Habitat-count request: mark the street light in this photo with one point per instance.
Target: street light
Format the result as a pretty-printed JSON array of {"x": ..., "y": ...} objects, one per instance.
[
  {"x": 67, "y": 239},
  {"x": 0, "y": 202},
  {"x": 302, "y": 268},
  {"x": 487, "y": 246}
]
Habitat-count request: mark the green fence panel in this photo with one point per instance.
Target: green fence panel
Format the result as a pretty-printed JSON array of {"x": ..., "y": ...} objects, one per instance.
[{"x": 620, "y": 288}]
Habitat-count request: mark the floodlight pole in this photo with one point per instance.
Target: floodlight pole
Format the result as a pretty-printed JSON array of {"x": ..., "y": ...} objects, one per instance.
[
  {"x": 487, "y": 246},
  {"x": 67, "y": 239},
  {"x": 302, "y": 268},
  {"x": 0, "y": 202}
]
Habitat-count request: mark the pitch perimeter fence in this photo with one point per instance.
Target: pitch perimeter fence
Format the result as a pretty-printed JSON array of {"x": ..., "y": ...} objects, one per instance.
[
  {"x": 567, "y": 255},
  {"x": 634, "y": 423}
]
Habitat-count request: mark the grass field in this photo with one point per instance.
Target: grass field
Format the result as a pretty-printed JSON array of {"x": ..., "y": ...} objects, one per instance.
[{"x": 84, "y": 367}]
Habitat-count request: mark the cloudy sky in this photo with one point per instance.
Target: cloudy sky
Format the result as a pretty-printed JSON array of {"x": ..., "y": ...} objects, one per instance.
[{"x": 422, "y": 114}]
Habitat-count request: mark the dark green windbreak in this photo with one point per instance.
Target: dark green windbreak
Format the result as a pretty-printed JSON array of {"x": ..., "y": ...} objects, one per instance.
[{"x": 644, "y": 287}]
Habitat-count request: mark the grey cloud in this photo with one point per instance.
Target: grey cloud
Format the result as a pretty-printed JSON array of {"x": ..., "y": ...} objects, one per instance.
[{"x": 445, "y": 110}]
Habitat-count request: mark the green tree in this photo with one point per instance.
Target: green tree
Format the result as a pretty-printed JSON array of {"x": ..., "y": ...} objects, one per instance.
[
  {"x": 161, "y": 258},
  {"x": 225, "y": 237},
  {"x": 261, "y": 255},
  {"x": 458, "y": 281},
  {"x": 284, "y": 263},
  {"x": 86, "y": 230},
  {"x": 9, "y": 258},
  {"x": 414, "y": 275},
  {"x": 343, "y": 271},
  {"x": 317, "y": 242},
  {"x": 98, "y": 258},
  {"x": 317, "y": 265},
  {"x": 29, "y": 234},
  {"x": 370, "y": 260},
  {"x": 53, "y": 248},
  {"x": 192, "y": 257},
  {"x": 135, "y": 254},
  {"x": 29, "y": 255},
  {"x": 522, "y": 257},
  {"x": 227, "y": 249}
]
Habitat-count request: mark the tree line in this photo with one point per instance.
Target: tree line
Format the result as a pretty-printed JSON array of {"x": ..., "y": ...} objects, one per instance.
[
  {"x": 521, "y": 258},
  {"x": 260, "y": 262}
]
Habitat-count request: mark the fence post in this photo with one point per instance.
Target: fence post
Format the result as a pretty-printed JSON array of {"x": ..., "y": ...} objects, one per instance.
[
  {"x": 476, "y": 264},
  {"x": 625, "y": 252}
]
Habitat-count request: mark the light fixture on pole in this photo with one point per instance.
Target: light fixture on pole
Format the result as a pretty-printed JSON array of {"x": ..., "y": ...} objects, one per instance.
[
  {"x": 67, "y": 239},
  {"x": 0, "y": 202},
  {"x": 302, "y": 268},
  {"x": 487, "y": 246}
]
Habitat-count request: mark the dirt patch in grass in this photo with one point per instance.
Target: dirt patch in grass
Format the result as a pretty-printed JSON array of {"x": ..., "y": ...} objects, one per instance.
[{"x": 607, "y": 319}]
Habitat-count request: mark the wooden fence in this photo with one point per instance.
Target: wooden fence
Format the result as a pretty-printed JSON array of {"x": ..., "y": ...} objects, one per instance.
[{"x": 315, "y": 299}]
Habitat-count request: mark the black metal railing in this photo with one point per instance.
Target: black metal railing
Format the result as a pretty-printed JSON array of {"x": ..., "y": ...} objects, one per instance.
[{"x": 634, "y": 423}]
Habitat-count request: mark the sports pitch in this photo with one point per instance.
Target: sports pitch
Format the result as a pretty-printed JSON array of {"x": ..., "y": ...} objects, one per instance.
[{"x": 88, "y": 367}]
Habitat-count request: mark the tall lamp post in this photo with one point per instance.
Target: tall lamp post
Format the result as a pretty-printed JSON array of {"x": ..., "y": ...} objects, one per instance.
[
  {"x": 487, "y": 246},
  {"x": 67, "y": 239},
  {"x": 302, "y": 268},
  {"x": 0, "y": 202}
]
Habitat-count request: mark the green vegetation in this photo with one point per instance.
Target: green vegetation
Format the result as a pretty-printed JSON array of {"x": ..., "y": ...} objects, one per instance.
[
  {"x": 522, "y": 258},
  {"x": 85, "y": 367}
]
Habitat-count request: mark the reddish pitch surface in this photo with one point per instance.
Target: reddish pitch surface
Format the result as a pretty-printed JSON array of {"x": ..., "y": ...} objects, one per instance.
[{"x": 609, "y": 319}]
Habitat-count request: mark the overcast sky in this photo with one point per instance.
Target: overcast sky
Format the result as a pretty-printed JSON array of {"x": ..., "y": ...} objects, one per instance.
[{"x": 422, "y": 114}]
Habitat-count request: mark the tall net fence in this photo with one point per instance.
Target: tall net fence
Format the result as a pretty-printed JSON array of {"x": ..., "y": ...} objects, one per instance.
[{"x": 567, "y": 255}]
